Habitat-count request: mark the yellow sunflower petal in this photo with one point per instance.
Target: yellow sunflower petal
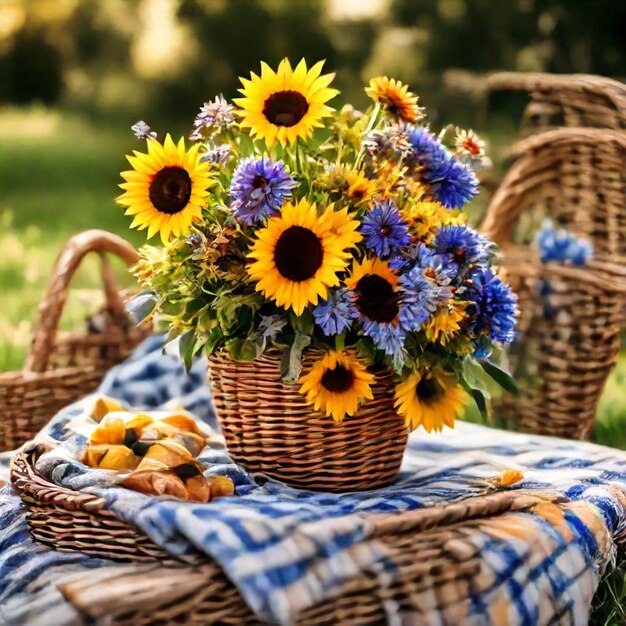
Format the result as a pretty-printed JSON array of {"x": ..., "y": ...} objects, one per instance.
[
  {"x": 337, "y": 384},
  {"x": 282, "y": 106},
  {"x": 297, "y": 256},
  {"x": 165, "y": 188},
  {"x": 430, "y": 399}
]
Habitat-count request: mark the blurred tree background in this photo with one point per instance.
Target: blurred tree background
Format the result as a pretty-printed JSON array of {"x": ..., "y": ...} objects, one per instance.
[
  {"x": 75, "y": 74},
  {"x": 117, "y": 59}
]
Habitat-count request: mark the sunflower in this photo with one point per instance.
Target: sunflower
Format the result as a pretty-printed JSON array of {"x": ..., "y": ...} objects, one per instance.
[
  {"x": 445, "y": 323},
  {"x": 396, "y": 98},
  {"x": 336, "y": 384},
  {"x": 298, "y": 254},
  {"x": 375, "y": 286},
  {"x": 166, "y": 188},
  {"x": 430, "y": 399},
  {"x": 357, "y": 187},
  {"x": 287, "y": 104}
]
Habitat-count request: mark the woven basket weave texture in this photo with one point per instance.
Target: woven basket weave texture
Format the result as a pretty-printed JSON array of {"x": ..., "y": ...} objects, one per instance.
[
  {"x": 62, "y": 367},
  {"x": 571, "y": 317},
  {"x": 270, "y": 428}
]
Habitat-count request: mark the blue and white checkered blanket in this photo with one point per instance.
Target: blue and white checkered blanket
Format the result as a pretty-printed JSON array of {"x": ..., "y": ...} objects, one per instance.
[{"x": 287, "y": 550}]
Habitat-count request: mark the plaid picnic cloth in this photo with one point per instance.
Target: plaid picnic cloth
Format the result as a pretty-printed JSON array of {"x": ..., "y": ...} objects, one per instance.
[{"x": 287, "y": 550}]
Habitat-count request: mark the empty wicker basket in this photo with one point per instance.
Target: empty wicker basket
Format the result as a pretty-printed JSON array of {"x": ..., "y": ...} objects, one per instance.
[
  {"x": 270, "y": 428},
  {"x": 62, "y": 367}
]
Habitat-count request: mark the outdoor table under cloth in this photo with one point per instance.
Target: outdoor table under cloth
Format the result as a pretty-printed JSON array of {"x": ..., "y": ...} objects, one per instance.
[{"x": 534, "y": 554}]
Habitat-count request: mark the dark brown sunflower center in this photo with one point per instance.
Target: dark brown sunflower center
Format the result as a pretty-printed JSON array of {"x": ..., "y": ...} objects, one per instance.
[
  {"x": 428, "y": 390},
  {"x": 338, "y": 380},
  {"x": 170, "y": 190},
  {"x": 285, "y": 108},
  {"x": 259, "y": 182},
  {"x": 376, "y": 299},
  {"x": 298, "y": 253}
]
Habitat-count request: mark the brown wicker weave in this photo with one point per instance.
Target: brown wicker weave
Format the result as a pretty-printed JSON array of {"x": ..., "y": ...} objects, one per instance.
[
  {"x": 435, "y": 566},
  {"x": 428, "y": 547},
  {"x": 569, "y": 343},
  {"x": 577, "y": 177},
  {"x": 61, "y": 367},
  {"x": 566, "y": 99},
  {"x": 67, "y": 520},
  {"x": 270, "y": 428}
]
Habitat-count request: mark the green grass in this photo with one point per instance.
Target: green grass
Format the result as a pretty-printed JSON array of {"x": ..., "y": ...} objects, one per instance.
[{"x": 58, "y": 176}]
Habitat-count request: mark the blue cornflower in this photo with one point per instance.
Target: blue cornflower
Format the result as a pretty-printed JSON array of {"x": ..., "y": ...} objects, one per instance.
[
  {"x": 495, "y": 305},
  {"x": 460, "y": 246},
  {"x": 384, "y": 229},
  {"x": 558, "y": 244},
  {"x": 427, "y": 150},
  {"x": 420, "y": 298},
  {"x": 441, "y": 267},
  {"x": 452, "y": 183},
  {"x": 336, "y": 314},
  {"x": 405, "y": 258},
  {"x": 259, "y": 188},
  {"x": 387, "y": 337}
]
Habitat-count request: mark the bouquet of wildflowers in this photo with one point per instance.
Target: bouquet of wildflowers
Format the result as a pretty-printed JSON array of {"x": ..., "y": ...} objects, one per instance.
[{"x": 288, "y": 224}]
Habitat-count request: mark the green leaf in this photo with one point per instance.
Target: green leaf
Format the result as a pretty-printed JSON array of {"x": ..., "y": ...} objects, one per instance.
[
  {"x": 186, "y": 348},
  {"x": 481, "y": 402},
  {"x": 214, "y": 339},
  {"x": 502, "y": 377},
  {"x": 291, "y": 361},
  {"x": 474, "y": 375},
  {"x": 242, "y": 349}
]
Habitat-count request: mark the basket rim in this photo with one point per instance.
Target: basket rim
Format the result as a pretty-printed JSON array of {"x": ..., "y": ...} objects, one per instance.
[{"x": 33, "y": 488}]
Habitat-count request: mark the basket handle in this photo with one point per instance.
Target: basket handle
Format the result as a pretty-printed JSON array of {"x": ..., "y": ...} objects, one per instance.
[{"x": 51, "y": 307}]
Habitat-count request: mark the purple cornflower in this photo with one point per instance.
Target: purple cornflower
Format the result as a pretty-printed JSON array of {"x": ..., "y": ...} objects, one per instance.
[
  {"x": 336, "y": 314},
  {"x": 384, "y": 229},
  {"x": 259, "y": 188}
]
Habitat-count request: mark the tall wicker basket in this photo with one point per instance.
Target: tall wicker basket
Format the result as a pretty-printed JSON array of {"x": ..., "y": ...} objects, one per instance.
[
  {"x": 61, "y": 367},
  {"x": 270, "y": 428},
  {"x": 571, "y": 318}
]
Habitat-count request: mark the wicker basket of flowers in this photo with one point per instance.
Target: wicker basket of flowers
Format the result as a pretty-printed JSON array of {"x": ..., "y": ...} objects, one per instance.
[{"x": 331, "y": 277}]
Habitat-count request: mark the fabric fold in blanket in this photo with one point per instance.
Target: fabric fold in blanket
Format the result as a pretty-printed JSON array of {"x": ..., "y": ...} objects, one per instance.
[{"x": 287, "y": 550}]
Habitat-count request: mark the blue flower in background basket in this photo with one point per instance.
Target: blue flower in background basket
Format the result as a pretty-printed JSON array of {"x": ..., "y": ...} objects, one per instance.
[{"x": 561, "y": 246}]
